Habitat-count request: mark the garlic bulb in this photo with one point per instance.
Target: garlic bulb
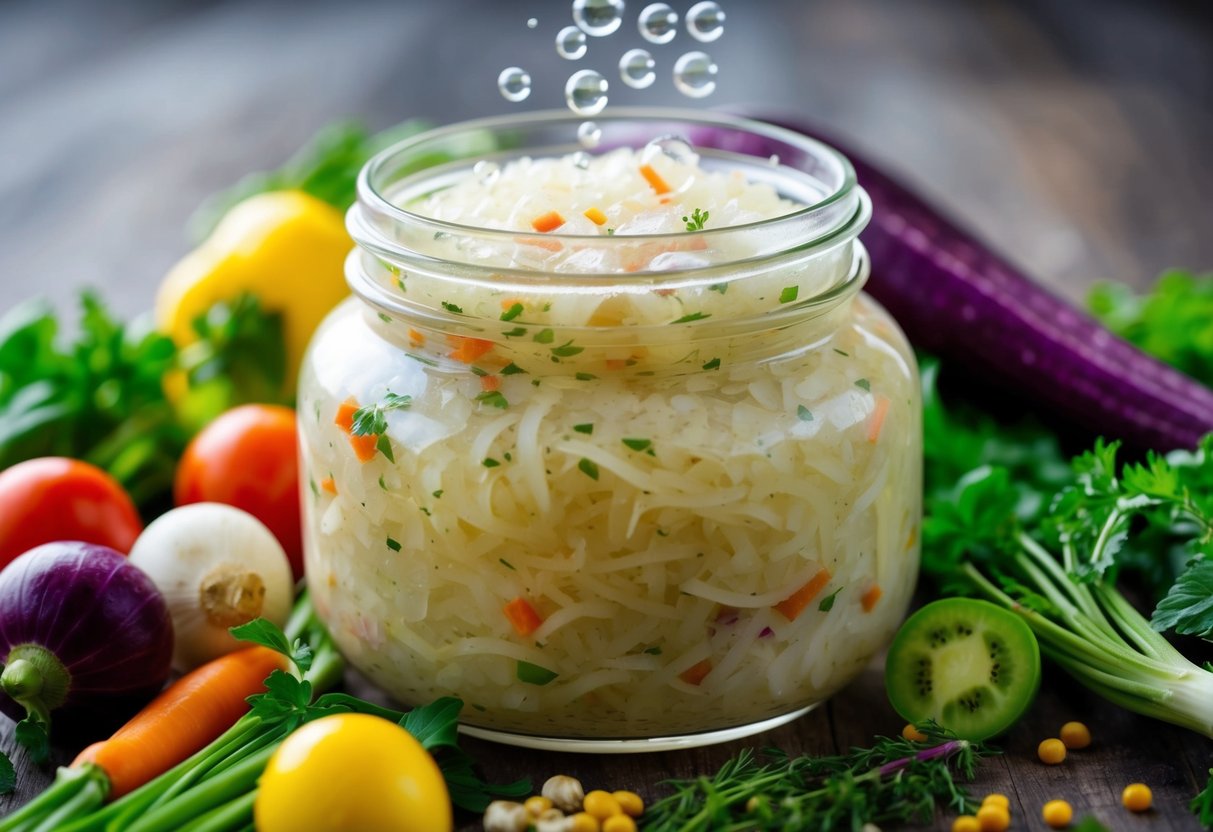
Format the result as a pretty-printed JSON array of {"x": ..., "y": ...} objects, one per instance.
[{"x": 217, "y": 566}]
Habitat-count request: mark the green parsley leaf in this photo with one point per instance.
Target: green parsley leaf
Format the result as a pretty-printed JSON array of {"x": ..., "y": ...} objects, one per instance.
[
  {"x": 371, "y": 420},
  {"x": 803, "y": 413},
  {"x": 512, "y": 369},
  {"x": 516, "y": 332},
  {"x": 8, "y": 775},
  {"x": 653, "y": 651},
  {"x": 384, "y": 446},
  {"x": 450, "y": 307},
  {"x": 493, "y": 398},
  {"x": 393, "y": 544},
  {"x": 513, "y": 312},
  {"x": 585, "y": 376},
  {"x": 567, "y": 350},
  {"x": 694, "y": 316},
  {"x": 489, "y": 462},
  {"x": 545, "y": 336},
  {"x": 588, "y": 467},
  {"x": 267, "y": 634},
  {"x": 827, "y": 603},
  {"x": 507, "y": 564},
  {"x": 1188, "y": 606},
  {"x": 587, "y": 428},
  {"x": 864, "y": 384},
  {"x": 533, "y": 674},
  {"x": 638, "y": 444},
  {"x": 789, "y": 294},
  {"x": 719, "y": 287},
  {"x": 438, "y": 494},
  {"x": 714, "y": 364},
  {"x": 697, "y": 219},
  {"x": 435, "y": 725}
]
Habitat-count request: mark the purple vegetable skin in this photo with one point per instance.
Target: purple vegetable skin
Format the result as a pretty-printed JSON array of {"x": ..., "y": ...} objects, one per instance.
[
  {"x": 84, "y": 634},
  {"x": 957, "y": 299}
]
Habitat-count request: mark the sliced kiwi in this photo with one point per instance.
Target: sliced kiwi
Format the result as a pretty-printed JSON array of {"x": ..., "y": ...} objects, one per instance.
[{"x": 971, "y": 666}]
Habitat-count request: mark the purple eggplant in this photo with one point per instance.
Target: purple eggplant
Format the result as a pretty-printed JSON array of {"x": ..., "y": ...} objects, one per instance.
[
  {"x": 84, "y": 634},
  {"x": 956, "y": 298}
]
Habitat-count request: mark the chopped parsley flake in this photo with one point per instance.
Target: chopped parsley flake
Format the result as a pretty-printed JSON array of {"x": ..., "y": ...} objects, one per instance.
[
  {"x": 588, "y": 467},
  {"x": 477, "y": 371},
  {"x": 512, "y": 313},
  {"x": 653, "y": 651},
  {"x": 719, "y": 287},
  {"x": 533, "y": 674},
  {"x": 714, "y": 364},
  {"x": 803, "y": 413},
  {"x": 585, "y": 376},
  {"x": 450, "y": 307},
  {"x": 789, "y": 294},
  {"x": 384, "y": 318},
  {"x": 372, "y": 419},
  {"x": 587, "y": 428},
  {"x": 511, "y": 369},
  {"x": 827, "y": 603},
  {"x": 842, "y": 353},
  {"x": 384, "y": 446},
  {"x": 507, "y": 564},
  {"x": 567, "y": 350},
  {"x": 507, "y": 456},
  {"x": 489, "y": 462},
  {"x": 516, "y": 332},
  {"x": 545, "y": 336},
  {"x": 493, "y": 398},
  {"x": 438, "y": 494},
  {"x": 864, "y": 384},
  {"x": 394, "y": 545},
  {"x": 638, "y": 444},
  {"x": 694, "y": 316},
  {"x": 382, "y": 484},
  {"x": 697, "y": 220}
]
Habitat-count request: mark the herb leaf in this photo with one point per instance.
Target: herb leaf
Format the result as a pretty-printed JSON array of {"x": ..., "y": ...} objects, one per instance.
[
  {"x": 589, "y": 468},
  {"x": 698, "y": 218},
  {"x": 533, "y": 674},
  {"x": 371, "y": 420},
  {"x": 789, "y": 294},
  {"x": 8, "y": 775},
  {"x": 435, "y": 725},
  {"x": 1188, "y": 607},
  {"x": 694, "y": 316}
]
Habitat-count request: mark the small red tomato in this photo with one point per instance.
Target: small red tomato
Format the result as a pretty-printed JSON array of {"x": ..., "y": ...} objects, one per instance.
[
  {"x": 53, "y": 498},
  {"x": 249, "y": 458}
]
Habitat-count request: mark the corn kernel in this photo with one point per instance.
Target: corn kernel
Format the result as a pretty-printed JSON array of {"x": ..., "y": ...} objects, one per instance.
[
  {"x": 537, "y": 805},
  {"x": 1057, "y": 813},
  {"x": 991, "y": 818},
  {"x": 966, "y": 823},
  {"x": 1075, "y": 735},
  {"x": 630, "y": 802},
  {"x": 596, "y": 216},
  {"x": 601, "y": 805},
  {"x": 619, "y": 823},
  {"x": 1137, "y": 797},
  {"x": 1051, "y": 751},
  {"x": 913, "y": 734}
]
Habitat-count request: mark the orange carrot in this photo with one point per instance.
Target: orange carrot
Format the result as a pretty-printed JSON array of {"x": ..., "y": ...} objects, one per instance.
[
  {"x": 696, "y": 673},
  {"x": 595, "y": 216},
  {"x": 490, "y": 383},
  {"x": 345, "y": 415},
  {"x": 616, "y": 363},
  {"x": 468, "y": 350},
  {"x": 523, "y": 616},
  {"x": 550, "y": 245},
  {"x": 547, "y": 222},
  {"x": 659, "y": 185},
  {"x": 329, "y": 484},
  {"x": 870, "y": 598},
  {"x": 416, "y": 339},
  {"x": 364, "y": 446},
  {"x": 878, "y": 416},
  {"x": 185, "y": 718},
  {"x": 792, "y": 606}
]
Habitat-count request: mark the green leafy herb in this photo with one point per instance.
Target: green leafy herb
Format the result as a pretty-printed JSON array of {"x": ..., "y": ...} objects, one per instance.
[
  {"x": 545, "y": 336},
  {"x": 1202, "y": 804},
  {"x": 493, "y": 398},
  {"x": 533, "y": 674},
  {"x": 803, "y": 413},
  {"x": 435, "y": 725},
  {"x": 694, "y": 316},
  {"x": 512, "y": 369},
  {"x": 585, "y": 376},
  {"x": 864, "y": 384},
  {"x": 827, "y": 603},
  {"x": 438, "y": 494},
  {"x": 653, "y": 651},
  {"x": 697, "y": 220},
  {"x": 638, "y": 444},
  {"x": 789, "y": 294},
  {"x": 30, "y": 734},
  {"x": 450, "y": 307},
  {"x": 719, "y": 287},
  {"x": 714, "y": 364},
  {"x": 516, "y": 332},
  {"x": 567, "y": 350},
  {"x": 489, "y": 462},
  {"x": 507, "y": 564},
  {"x": 588, "y": 467},
  {"x": 393, "y": 544},
  {"x": 513, "y": 312},
  {"x": 267, "y": 634},
  {"x": 384, "y": 446},
  {"x": 587, "y": 428},
  {"x": 8, "y": 775},
  {"x": 371, "y": 420},
  {"x": 1188, "y": 606}
]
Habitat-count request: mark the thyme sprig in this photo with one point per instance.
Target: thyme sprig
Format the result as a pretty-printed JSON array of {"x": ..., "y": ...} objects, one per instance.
[{"x": 893, "y": 781}]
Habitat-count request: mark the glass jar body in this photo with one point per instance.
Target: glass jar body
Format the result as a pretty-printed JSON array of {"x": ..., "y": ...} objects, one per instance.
[{"x": 589, "y": 556}]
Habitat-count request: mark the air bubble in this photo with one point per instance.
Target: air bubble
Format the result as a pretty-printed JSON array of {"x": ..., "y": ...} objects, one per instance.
[
  {"x": 486, "y": 172},
  {"x": 581, "y": 160},
  {"x": 598, "y": 18},
  {"x": 586, "y": 92},
  {"x": 705, "y": 21},
  {"x": 589, "y": 134},
  {"x": 676, "y": 147},
  {"x": 695, "y": 74},
  {"x": 532, "y": 22},
  {"x": 514, "y": 83},
  {"x": 774, "y": 160},
  {"x": 570, "y": 43},
  {"x": 636, "y": 68},
  {"x": 658, "y": 23}
]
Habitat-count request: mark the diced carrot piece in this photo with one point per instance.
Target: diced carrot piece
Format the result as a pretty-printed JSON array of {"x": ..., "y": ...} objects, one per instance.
[
  {"x": 616, "y": 363},
  {"x": 468, "y": 350},
  {"x": 364, "y": 446},
  {"x": 696, "y": 673},
  {"x": 522, "y": 616},
  {"x": 665, "y": 293},
  {"x": 871, "y": 598},
  {"x": 595, "y": 216},
  {"x": 792, "y": 606},
  {"x": 878, "y": 417},
  {"x": 540, "y": 242},
  {"x": 547, "y": 222},
  {"x": 329, "y": 484},
  {"x": 490, "y": 383},
  {"x": 417, "y": 339},
  {"x": 666, "y": 200},
  {"x": 654, "y": 179},
  {"x": 345, "y": 415}
]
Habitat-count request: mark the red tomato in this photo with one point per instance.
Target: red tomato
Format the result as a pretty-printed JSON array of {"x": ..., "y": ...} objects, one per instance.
[
  {"x": 249, "y": 458},
  {"x": 54, "y": 498}
]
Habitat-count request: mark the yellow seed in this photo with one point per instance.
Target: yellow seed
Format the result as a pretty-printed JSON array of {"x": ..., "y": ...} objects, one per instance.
[
  {"x": 1137, "y": 797},
  {"x": 537, "y": 805},
  {"x": 630, "y": 802},
  {"x": 583, "y": 822},
  {"x": 1051, "y": 751},
  {"x": 966, "y": 823},
  {"x": 1057, "y": 813},
  {"x": 1075, "y": 735},
  {"x": 996, "y": 799},
  {"x": 619, "y": 823},
  {"x": 913, "y": 734},
  {"x": 992, "y": 818},
  {"x": 601, "y": 805}
]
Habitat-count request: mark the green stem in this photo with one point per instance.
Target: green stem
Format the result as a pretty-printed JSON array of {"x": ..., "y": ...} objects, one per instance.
[
  {"x": 269, "y": 738},
  {"x": 1135, "y": 627},
  {"x": 81, "y": 803},
  {"x": 234, "y": 815},
  {"x": 1079, "y": 593},
  {"x": 229, "y": 744},
  {"x": 205, "y": 796},
  {"x": 68, "y": 781}
]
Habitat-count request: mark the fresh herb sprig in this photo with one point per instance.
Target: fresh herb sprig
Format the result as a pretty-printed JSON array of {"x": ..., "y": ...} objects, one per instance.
[
  {"x": 697, "y": 220},
  {"x": 371, "y": 420},
  {"x": 893, "y": 781}
]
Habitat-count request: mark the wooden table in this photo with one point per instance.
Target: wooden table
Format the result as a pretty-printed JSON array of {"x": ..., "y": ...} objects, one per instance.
[{"x": 1074, "y": 134}]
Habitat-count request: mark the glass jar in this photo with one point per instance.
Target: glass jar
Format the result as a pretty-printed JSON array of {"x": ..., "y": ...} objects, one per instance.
[{"x": 611, "y": 508}]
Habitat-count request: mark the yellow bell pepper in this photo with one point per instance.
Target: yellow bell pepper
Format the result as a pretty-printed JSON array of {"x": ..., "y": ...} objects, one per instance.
[{"x": 285, "y": 247}]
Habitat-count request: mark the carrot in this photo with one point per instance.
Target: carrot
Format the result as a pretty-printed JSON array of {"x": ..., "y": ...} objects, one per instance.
[
  {"x": 547, "y": 222},
  {"x": 416, "y": 339},
  {"x": 696, "y": 673},
  {"x": 490, "y": 383},
  {"x": 345, "y": 415},
  {"x": 659, "y": 185},
  {"x": 792, "y": 606},
  {"x": 595, "y": 216},
  {"x": 870, "y": 598},
  {"x": 364, "y": 446},
  {"x": 185, "y": 718},
  {"x": 878, "y": 417},
  {"x": 550, "y": 245},
  {"x": 523, "y": 616},
  {"x": 468, "y": 350},
  {"x": 329, "y": 484}
]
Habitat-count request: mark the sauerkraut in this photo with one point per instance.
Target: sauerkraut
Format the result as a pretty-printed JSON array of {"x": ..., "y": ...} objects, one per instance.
[{"x": 632, "y": 512}]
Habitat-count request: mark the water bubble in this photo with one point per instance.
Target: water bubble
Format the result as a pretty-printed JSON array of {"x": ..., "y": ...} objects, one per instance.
[
  {"x": 636, "y": 68},
  {"x": 705, "y": 21},
  {"x": 598, "y": 18},
  {"x": 532, "y": 22},
  {"x": 570, "y": 43},
  {"x": 672, "y": 145},
  {"x": 695, "y": 74},
  {"x": 581, "y": 160},
  {"x": 589, "y": 134},
  {"x": 486, "y": 172},
  {"x": 586, "y": 92},
  {"x": 658, "y": 23},
  {"x": 774, "y": 160},
  {"x": 514, "y": 83}
]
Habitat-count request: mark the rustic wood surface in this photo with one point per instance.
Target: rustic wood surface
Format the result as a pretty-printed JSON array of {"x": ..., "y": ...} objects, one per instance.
[{"x": 1073, "y": 134}]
